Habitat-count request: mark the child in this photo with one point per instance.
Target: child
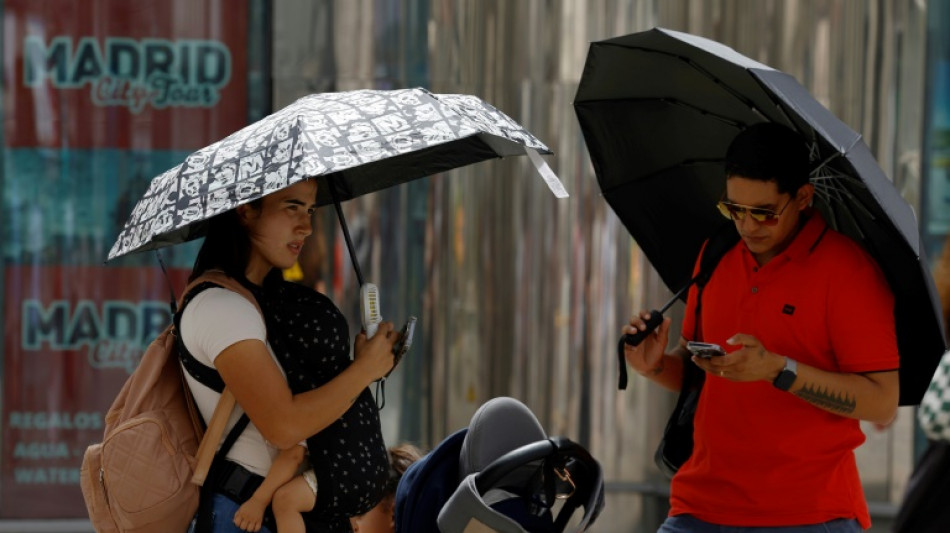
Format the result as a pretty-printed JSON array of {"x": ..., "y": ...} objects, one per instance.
[
  {"x": 379, "y": 519},
  {"x": 288, "y": 493}
]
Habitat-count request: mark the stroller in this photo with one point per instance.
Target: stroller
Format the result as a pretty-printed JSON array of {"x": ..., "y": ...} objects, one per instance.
[{"x": 501, "y": 473}]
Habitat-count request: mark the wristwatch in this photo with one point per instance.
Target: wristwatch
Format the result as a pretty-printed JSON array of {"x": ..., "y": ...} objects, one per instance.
[{"x": 787, "y": 376}]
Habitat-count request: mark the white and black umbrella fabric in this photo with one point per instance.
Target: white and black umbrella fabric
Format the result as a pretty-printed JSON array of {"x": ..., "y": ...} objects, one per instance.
[
  {"x": 659, "y": 108},
  {"x": 354, "y": 142}
]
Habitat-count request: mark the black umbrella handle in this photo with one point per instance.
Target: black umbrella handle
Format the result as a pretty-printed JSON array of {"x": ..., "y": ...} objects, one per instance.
[
  {"x": 634, "y": 339},
  {"x": 656, "y": 318}
]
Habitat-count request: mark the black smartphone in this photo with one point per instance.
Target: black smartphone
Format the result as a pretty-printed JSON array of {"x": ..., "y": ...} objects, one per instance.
[
  {"x": 705, "y": 349},
  {"x": 405, "y": 340}
]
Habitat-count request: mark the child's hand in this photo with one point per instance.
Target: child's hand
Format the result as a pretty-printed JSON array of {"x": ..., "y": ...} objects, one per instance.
[{"x": 250, "y": 515}]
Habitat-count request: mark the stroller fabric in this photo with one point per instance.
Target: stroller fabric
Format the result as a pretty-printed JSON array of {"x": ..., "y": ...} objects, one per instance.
[
  {"x": 426, "y": 486},
  {"x": 498, "y": 474}
]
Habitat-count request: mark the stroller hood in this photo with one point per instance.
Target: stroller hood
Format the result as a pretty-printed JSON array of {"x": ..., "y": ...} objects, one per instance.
[{"x": 502, "y": 473}]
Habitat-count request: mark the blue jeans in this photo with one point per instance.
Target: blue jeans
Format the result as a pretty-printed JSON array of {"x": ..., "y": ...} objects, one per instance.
[
  {"x": 689, "y": 524},
  {"x": 222, "y": 512}
]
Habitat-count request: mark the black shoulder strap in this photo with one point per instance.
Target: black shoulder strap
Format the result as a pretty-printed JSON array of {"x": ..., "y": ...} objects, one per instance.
[
  {"x": 203, "y": 374},
  {"x": 721, "y": 241}
]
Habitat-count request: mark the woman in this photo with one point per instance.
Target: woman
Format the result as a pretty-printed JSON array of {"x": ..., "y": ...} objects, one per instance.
[{"x": 255, "y": 356}]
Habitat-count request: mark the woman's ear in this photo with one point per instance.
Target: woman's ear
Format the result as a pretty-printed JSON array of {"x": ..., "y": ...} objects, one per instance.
[{"x": 245, "y": 213}]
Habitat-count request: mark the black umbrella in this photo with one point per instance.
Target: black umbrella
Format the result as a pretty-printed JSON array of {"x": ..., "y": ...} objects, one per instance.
[
  {"x": 659, "y": 108},
  {"x": 353, "y": 142}
]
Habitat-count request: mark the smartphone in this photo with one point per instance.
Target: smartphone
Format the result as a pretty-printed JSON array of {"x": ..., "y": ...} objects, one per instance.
[
  {"x": 405, "y": 340},
  {"x": 705, "y": 349}
]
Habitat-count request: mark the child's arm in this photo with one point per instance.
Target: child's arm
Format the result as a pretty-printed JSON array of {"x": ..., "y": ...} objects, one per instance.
[{"x": 286, "y": 465}]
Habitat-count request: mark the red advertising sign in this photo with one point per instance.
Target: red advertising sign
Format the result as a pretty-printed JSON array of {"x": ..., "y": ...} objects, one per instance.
[
  {"x": 99, "y": 96},
  {"x": 124, "y": 73},
  {"x": 72, "y": 336}
]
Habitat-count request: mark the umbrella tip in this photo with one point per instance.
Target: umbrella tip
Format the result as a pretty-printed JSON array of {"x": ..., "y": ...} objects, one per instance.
[{"x": 548, "y": 175}]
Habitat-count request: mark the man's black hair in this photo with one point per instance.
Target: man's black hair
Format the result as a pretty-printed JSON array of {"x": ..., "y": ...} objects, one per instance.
[{"x": 769, "y": 151}]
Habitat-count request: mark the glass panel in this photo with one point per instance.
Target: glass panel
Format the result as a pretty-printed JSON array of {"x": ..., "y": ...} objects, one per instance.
[{"x": 100, "y": 96}]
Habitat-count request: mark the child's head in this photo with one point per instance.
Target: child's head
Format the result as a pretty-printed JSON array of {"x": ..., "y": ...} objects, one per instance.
[{"x": 379, "y": 519}]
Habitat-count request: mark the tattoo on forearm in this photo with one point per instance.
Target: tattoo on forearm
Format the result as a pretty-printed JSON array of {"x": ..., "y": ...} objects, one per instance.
[
  {"x": 839, "y": 403},
  {"x": 658, "y": 369}
]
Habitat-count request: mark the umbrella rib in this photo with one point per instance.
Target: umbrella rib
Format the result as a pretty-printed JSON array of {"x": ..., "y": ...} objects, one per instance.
[
  {"x": 674, "y": 101},
  {"x": 697, "y": 67},
  {"x": 840, "y": 201},
  {"x": 658, "y": 173}
]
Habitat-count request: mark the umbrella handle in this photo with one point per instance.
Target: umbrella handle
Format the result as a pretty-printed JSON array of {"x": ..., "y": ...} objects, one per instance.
[{"x": 656, "y": 318}]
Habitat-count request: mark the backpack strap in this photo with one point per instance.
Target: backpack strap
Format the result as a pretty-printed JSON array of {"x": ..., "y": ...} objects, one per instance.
[
  {"x": 721, "y": 241},
  {"x": 204, "y": 374},
  {"x": 210, "y": 377},
  {"x": 677, "y": 443}
]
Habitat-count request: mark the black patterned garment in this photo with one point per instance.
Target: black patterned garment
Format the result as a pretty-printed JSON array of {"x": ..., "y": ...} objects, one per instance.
[{"x": 311, "y": 340}]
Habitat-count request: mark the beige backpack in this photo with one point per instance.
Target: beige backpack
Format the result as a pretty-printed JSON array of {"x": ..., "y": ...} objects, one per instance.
[{"x": 145, "y": 475}]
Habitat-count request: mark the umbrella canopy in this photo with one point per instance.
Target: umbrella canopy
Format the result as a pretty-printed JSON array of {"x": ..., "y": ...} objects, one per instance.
[
  {"x": 658, "y": 110},
  {"x": 357, "y": 141}
]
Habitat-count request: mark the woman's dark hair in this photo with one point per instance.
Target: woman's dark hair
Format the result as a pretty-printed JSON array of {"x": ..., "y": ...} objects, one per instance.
[
  {"x": 227, "y": 246},
  {"x": 769, "y": 151}
]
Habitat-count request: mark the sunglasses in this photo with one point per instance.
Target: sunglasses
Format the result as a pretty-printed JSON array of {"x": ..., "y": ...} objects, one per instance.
[{"x": 761, "y": 215}]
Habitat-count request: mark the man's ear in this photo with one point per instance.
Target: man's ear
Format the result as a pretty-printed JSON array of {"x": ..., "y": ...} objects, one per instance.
[{"x": 805, "y": 195}]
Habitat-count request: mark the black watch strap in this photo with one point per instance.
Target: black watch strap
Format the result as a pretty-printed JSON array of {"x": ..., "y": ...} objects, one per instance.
[{"x": 786, "y": 378}]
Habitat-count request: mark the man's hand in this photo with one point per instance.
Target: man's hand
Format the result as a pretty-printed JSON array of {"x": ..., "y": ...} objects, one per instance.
[
  {"x": 647, "y": 357},
  {"x": 751, "y": 362}
]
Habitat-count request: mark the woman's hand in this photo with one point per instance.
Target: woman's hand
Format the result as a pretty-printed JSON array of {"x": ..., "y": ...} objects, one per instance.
[
  {"x": 646, "y": 358},
  {"x": 375, "y": 355}
]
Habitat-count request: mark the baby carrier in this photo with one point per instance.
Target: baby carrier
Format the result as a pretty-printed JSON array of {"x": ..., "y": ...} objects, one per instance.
[{"x": 310, "y": 338}]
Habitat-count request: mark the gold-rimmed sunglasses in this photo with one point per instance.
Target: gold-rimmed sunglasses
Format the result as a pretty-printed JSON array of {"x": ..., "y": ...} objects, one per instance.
[{"x": 766, "y": 217}]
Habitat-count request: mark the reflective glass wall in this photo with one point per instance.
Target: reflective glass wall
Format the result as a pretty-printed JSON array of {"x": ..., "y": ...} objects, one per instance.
[
  {"x": 99, "y": 96},
  {"x": 521, "y": 294}
]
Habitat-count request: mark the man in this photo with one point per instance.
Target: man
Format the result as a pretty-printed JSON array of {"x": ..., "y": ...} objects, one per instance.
[{"x": 807, "y": 319}]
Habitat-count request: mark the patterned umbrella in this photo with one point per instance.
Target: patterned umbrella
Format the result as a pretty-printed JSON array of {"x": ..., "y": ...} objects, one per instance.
[{"x": 354, "y": 142}]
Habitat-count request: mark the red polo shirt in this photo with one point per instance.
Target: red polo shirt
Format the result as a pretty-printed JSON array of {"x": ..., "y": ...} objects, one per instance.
[{"x": 764, "y": 457}]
